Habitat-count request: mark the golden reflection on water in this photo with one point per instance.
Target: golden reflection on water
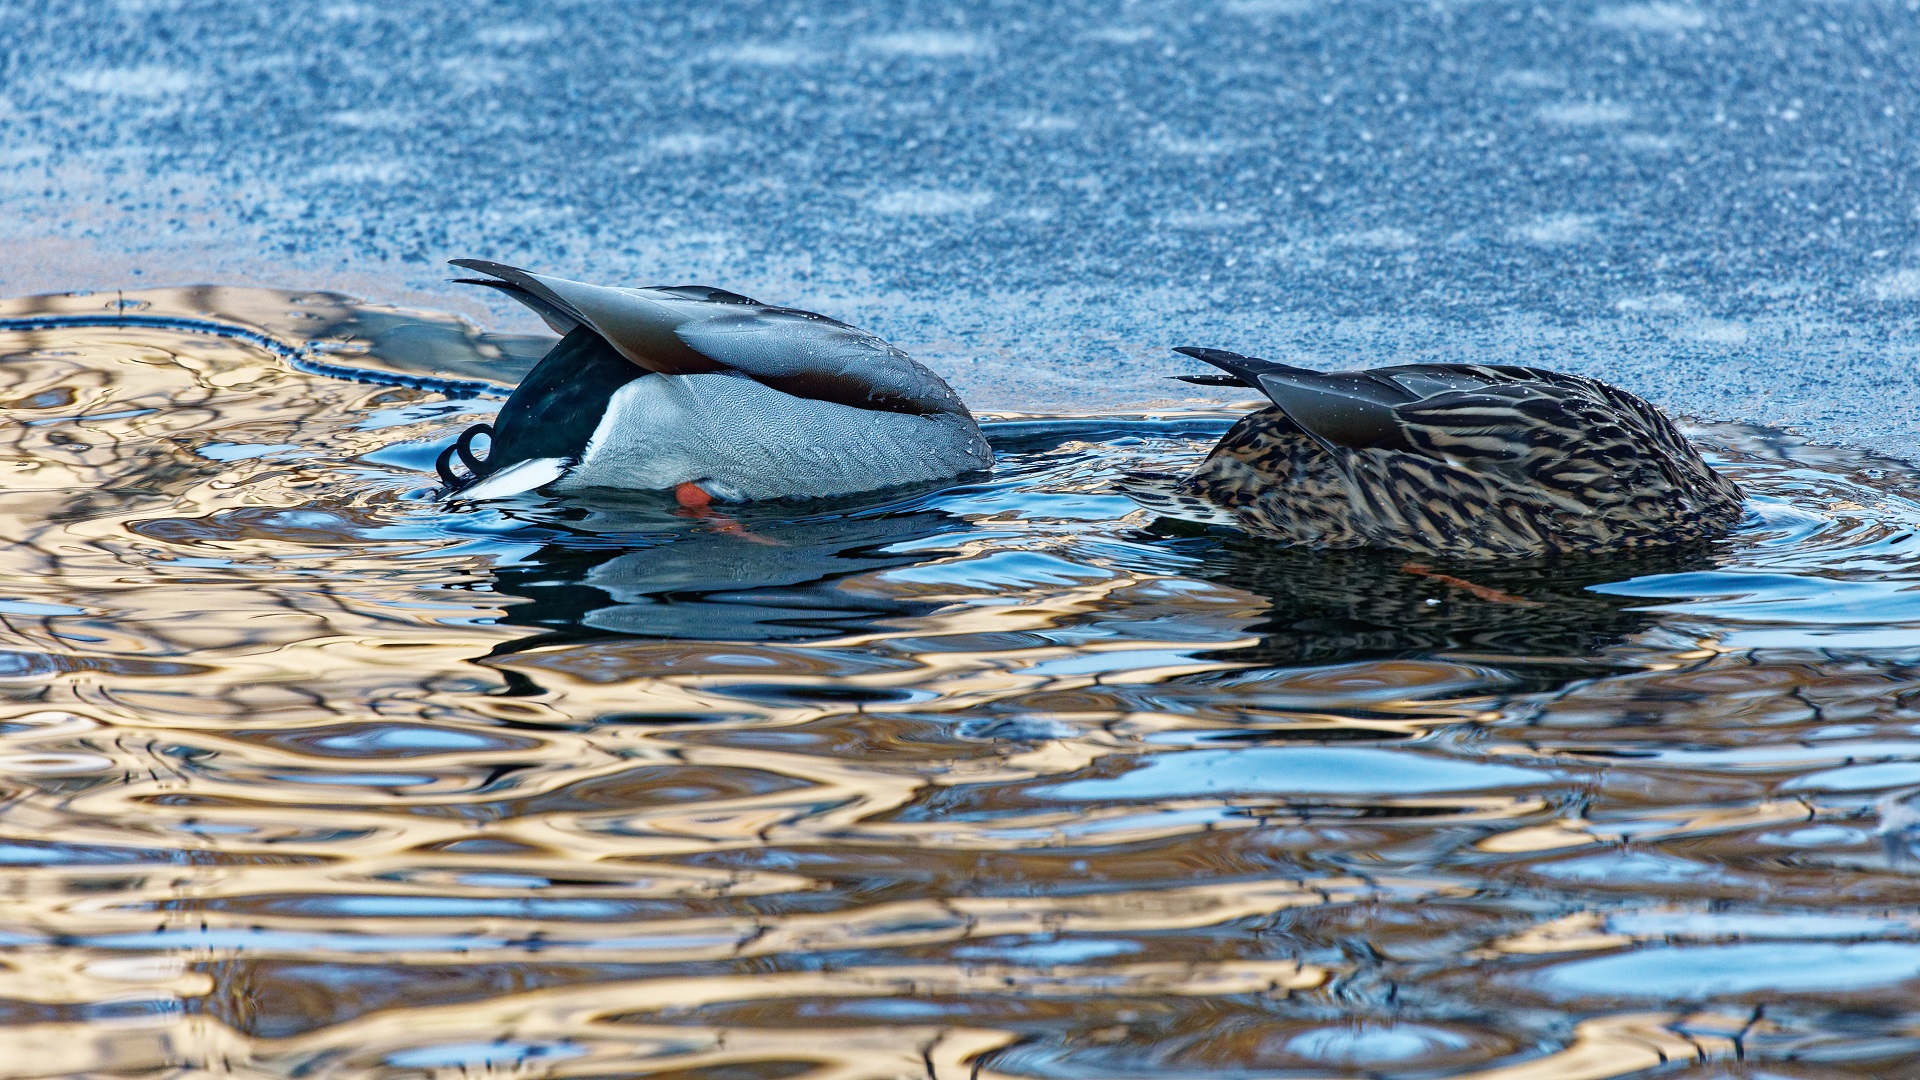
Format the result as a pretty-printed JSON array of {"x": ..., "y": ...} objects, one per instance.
[{"x": 306, "y": 775}]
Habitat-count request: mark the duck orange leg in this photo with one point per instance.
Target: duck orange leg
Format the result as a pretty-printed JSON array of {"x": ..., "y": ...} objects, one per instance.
[
  {"x": 695, "y": 502},
  {"x": 1483, "y": 592}
]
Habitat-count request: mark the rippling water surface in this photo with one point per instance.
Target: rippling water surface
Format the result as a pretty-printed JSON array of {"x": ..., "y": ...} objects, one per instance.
[{"x": 307, "y": 775}]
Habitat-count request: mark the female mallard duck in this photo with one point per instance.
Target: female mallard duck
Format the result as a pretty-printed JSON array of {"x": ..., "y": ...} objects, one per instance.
[
  {"x": 1446, "y": 459},
  {"x": 711, "y": 395}
]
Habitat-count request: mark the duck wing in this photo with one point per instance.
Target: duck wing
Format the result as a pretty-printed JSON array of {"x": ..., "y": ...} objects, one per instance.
[
  {"x": 1472, "y": 409},
  {"x": 1432, "y": 380},
  {"x": 695, "y": 329},
  {"x": 812, "y": 356}
]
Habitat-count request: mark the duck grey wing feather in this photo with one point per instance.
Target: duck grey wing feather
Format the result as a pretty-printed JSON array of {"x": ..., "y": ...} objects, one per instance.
[
  {"x": 704, "y": 293},
  {"x": 812, "y": 356},
  {"x": 694, "y": 329}
]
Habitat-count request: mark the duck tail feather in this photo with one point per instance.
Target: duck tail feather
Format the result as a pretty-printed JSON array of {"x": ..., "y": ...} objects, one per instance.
[
  {"x": 526, "y": 288},
  {"x": 561, "y": 322},
  {"x": 1338, "y": 409},
  {"x": 1164, "y": 494},
  {"x": 1240, "y": 370},
  {"x": 1212, "y": 380}
]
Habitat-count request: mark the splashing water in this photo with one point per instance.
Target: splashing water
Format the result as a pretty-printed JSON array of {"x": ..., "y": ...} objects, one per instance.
[{"x": 308, "y": 774}]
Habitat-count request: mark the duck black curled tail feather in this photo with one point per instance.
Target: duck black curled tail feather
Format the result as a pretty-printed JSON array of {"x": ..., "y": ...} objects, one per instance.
[
  {"x": 1464, "y": 460},
  {"x": 463, "y": 448}
]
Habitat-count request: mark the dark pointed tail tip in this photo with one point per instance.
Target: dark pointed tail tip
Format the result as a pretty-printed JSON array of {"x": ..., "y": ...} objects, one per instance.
[
  {"x": 1216, "y": 357},
  {"x": 1212, "y": 380},
  {"x": 482, "y": 266},
  {"x": 1235, "y": 366}
]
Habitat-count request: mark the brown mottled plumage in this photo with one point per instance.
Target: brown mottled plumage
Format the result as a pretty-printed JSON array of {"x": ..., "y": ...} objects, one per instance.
[{"x": 1446, "y": 459}]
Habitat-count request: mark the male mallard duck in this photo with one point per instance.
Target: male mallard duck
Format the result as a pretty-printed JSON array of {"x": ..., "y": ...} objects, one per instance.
[
  {"x": 712, "y": 395},
  {"x": 1446, "y": 459}
]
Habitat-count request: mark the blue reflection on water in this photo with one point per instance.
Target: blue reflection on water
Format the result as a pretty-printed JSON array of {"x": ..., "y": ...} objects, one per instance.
[
  {"x": 1306, "y": 770},
  {"x": 1692, "y": 973}
]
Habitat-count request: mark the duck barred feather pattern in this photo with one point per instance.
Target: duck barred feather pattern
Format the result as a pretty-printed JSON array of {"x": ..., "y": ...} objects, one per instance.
[
  {"x": 1477, "y": 461},
  {"x": 1172, "y": 496}
]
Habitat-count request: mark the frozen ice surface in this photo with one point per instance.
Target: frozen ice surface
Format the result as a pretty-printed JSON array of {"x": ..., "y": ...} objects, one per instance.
[{"x": 1714, "y": 204}]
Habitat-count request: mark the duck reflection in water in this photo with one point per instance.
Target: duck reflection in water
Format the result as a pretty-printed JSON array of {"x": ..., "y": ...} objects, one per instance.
[
  {"x": 646, "y": 569},
  {"x": 1338, "y": 606},
  {"x": 760, "y": 573}
]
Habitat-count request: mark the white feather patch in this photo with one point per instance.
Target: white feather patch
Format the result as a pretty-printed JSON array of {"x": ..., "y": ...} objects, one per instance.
[{"x": 516, "y": 479}]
